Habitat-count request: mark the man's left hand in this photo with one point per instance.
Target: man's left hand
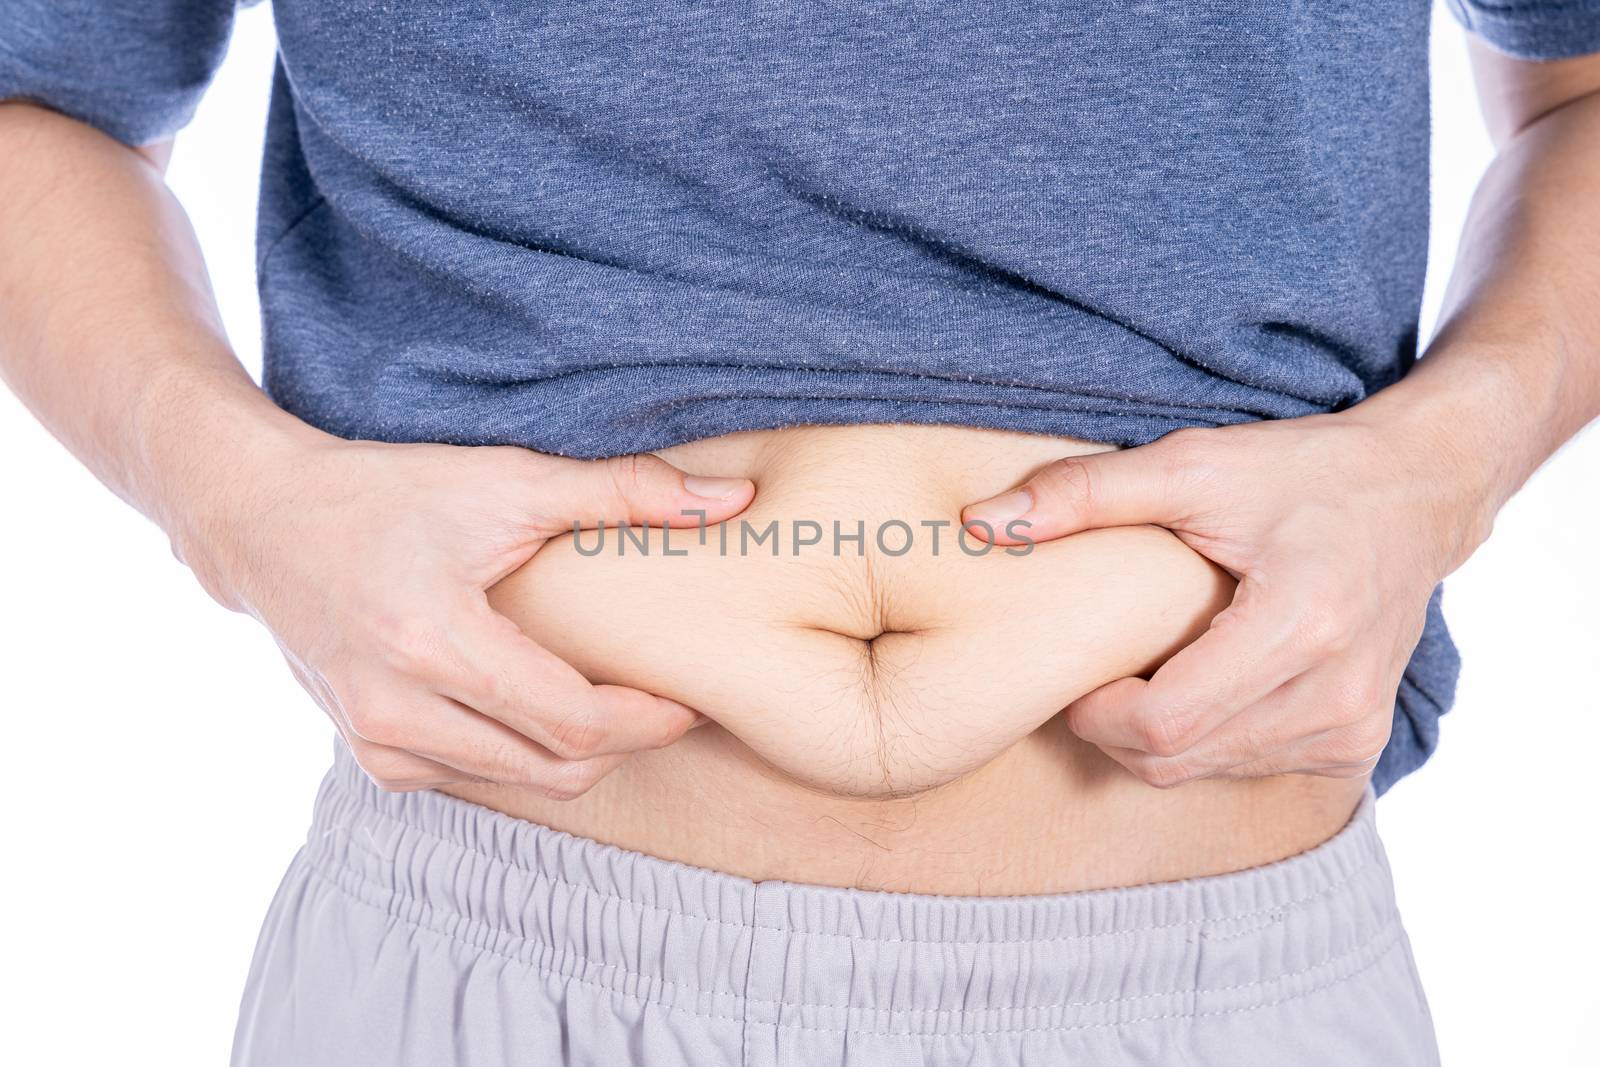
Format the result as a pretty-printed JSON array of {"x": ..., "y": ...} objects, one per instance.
[{"x": 1337, "y": 528}]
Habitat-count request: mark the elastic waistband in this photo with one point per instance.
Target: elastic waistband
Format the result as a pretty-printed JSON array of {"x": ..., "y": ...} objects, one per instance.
[{"x": 820, "y": 957}]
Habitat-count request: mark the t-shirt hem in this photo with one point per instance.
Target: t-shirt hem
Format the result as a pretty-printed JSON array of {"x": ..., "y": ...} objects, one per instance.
[{"x": 1534, "y": 32}]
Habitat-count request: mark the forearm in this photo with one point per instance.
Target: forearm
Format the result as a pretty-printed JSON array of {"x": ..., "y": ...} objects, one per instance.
[
  {"x": 1514, "y": 370},
  {"x": 108, "y": 329}
]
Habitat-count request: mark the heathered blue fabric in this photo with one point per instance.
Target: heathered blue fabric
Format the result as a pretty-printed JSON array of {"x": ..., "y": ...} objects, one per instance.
[
  {"x": 601, "y": 228},
  {"x": 1542, "y": 29}
]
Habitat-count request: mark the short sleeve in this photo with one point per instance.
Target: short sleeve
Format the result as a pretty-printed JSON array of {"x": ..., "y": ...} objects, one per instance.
[
  {"x": 1533, "y": 29},
  {"x": 135, "y": 69}
]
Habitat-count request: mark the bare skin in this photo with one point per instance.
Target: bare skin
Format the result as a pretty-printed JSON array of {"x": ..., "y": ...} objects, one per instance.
[
  {"x": 885, "y": 712},
  {"x": 110, "y": 335}
]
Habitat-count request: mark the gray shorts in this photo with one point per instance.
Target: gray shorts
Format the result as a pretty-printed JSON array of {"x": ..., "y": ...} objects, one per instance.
[{"x": 418, "y": 929}]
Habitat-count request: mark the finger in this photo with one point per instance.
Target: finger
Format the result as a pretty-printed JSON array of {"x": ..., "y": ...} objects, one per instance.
[
  {"x": 1170, "y": 772},
  {"x": 1122, "y": 488},
  {"x": 1298, "y": 762},
  {"x": 1348, "y": 751},
  {"x": 1263, "y": 730},
  {"x": 1305, "y": 726},
  {"x": 398, "y": 771},
  {"x": 471, "y": 747},
  {"x": 493, "y": 668},
  {"x": 390, "y": 767},
  {"x": 632, "y": 490},
  {"x": 1249, "y": 650}
]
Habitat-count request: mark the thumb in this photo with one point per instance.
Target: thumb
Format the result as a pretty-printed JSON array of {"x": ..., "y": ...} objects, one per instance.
[
  {"x": 1121, "y": 488},
  {"x": 635, "y": 490}
]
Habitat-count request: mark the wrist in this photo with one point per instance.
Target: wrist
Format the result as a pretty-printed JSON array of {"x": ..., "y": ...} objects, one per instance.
[
  {"x": 1461, "y": 443},
  {"x": 206, "y": 446}
]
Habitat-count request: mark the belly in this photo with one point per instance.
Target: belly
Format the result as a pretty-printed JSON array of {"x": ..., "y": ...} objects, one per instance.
[{"x": 884, "y": 688}]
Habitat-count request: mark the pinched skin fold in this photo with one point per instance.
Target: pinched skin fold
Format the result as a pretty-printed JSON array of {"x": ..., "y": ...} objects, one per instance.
[{"x": 871, "y": 668}]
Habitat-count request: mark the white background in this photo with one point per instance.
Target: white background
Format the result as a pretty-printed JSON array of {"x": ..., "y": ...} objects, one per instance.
[{"x": 160, "y": 762}]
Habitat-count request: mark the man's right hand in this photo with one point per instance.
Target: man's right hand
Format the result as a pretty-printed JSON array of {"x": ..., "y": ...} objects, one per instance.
[{"x": 369, "y": 564}]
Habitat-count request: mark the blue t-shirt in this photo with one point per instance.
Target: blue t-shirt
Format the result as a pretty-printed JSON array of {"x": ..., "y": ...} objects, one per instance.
[{"x": 607, "y": 227}]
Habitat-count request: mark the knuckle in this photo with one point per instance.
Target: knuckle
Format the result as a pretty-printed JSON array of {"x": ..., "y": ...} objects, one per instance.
[
  {"x": 1164, "y": 773},
  {"x": 669, "y": 730},
  {"x": 652, "y": 723},
  {"x": 1066, "y": 483},
  {"x": 1359, "y": 703},
  {"x": 483, "y": 689},
  {"x": 393, "y": 772},
  {"x": 1361, "y": 743},
  {"x": 632, "y": 473},
  {"x": 407, "y": 645},
  {"x": 578, "y": 735},
  {"x": 1325, "y": 629},
  {"x": 504, "y": 765},
  {"x": 572, "y": 779},
  {"x": 1166, "y": 733},
  {"x": 373, "y": 721},
  {"x": 1154, "y": 738}
]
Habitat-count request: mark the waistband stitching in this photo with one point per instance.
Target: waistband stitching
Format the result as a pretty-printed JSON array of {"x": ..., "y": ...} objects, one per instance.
[
  {"x": 1284, "y": 908},
  {"x": 1391, "y": 928}
]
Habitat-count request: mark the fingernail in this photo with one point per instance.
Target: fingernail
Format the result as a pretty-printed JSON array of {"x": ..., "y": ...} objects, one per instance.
[
  {"x": 997, "y": 511},
  {"x": 715, "y": 488}
]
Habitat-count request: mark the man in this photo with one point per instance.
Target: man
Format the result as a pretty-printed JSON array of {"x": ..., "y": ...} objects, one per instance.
[{"x": 1337, "y": 515}]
